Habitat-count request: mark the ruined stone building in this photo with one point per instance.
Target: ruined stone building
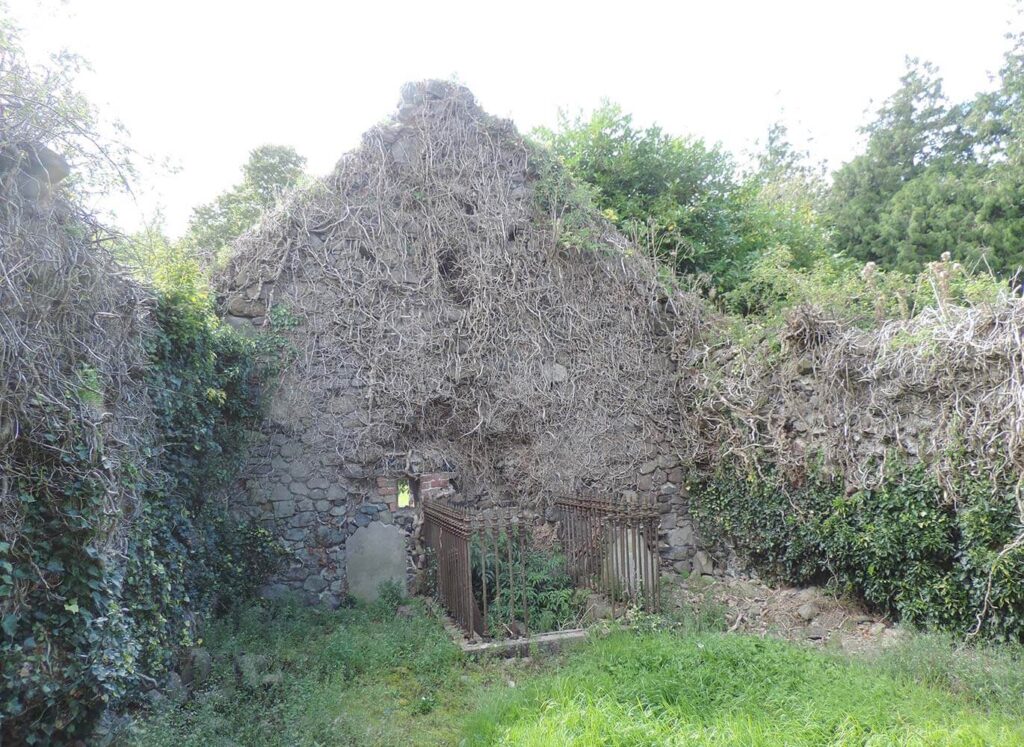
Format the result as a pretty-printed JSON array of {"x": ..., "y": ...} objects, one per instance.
[{"x": 451, "y": 317}]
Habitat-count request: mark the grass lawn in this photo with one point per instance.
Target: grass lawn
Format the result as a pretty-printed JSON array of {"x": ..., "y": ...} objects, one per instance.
[{"x": 292, "y": 676}]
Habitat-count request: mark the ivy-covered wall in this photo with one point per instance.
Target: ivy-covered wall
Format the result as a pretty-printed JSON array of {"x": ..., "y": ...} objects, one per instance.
[
  {"x": 123, "y": 416},
  {"x": 907, "y": 547},
  {"x": 885, "y": 460}
]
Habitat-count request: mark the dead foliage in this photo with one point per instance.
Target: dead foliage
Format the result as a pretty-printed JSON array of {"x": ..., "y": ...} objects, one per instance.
[
  {"x": 73, "y": 405},
  {"x": 488, "y": 317}
]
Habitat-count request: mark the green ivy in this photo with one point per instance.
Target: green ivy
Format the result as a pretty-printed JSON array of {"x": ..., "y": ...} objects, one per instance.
[
  {"x": 187, "y": 555},
  {"x": 907, "y": 548},
  {"x": 99, "y": 618}
]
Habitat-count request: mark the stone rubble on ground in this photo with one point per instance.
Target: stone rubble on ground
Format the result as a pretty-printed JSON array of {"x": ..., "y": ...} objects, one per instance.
[{"x": 810, "y": 614}]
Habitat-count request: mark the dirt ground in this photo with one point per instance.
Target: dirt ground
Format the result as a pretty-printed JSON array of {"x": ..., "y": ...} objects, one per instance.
[{"x": 810, "y": 615}]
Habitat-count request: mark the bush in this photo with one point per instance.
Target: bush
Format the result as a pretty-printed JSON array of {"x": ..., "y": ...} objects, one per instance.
[
  {"x": 120, "y": 423},
  {"x": 187, "y": 557},
  {"x": 845, "y": 288},
  {"x": 778, "y": 531},
  {"x": 551, "y": 599},
  {"x": 905, "y": 547}
]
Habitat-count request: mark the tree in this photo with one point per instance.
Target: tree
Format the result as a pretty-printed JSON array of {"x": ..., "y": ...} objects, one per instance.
[
  {"x": 270, "y": 171},
  {"x": 675, "y": 193},
  {"x": 42, "y": 106},
  {"x": 937, "y": 177},
  {"x": 780, "y": 202},
  {"x": 914, "y": 129}
]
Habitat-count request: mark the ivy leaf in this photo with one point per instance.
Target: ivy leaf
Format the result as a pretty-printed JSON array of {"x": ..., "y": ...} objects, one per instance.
[
  {"x": 72, "y": 606},
  {"x": 10, "y": 624}
]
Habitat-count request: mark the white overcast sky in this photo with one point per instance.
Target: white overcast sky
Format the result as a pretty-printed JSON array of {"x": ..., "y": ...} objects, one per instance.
[{"x": 201, "y": 83}]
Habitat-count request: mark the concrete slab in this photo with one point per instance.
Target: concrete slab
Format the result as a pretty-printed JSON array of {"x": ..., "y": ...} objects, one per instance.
[{"x": 545, "y": 643}]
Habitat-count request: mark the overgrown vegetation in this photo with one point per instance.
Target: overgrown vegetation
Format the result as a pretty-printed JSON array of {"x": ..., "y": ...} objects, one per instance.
[
  {"x": 123, "y": 414},
  {"x": 125, "y": 411},
  {"x": 714, "y": 689},
  {"x": 545, "y": 595},
  {"x": 268, "y": 174},
  {"x": 185, "y": 552},
  {"x": 935, "y": 177},
  {"x": 673, "y": 193},
  {"x": 120, "y": 620},
  {"x": 293, "y": 675},
  {"x": 686, "y": 203},
  {"x": 366, "y": 676},
  {"x": 919, "y": 553}
]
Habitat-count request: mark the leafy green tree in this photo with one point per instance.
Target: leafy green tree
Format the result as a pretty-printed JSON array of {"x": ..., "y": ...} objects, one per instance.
[
  {"x": 42, "y": 105},
  {"x": 688, "y": 201},
  {"x": 779, "y": 212},
  {"x": 270, "y": 171},
  {"x": 676, "y": 194},
  {"x": 913, "y": 129},
  {"x": 932, "y": 214},
  {"x": 937, "y": 177},
  {"x": 997, "y": 117}
]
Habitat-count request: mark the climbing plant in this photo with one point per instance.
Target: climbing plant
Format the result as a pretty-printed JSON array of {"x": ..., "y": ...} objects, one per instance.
[{"x": 936, "y": 557}]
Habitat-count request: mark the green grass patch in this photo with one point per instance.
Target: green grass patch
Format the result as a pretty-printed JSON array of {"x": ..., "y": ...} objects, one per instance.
[
  {"x": 720, "y": 689},
  {"x": 288, "y": 675},
  {"x": 367, "y": 676}
]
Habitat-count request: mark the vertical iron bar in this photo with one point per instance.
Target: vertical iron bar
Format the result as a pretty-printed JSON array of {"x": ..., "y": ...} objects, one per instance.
[
  {"x": 497, "y": 569},
  {"x": 464, "y": 576},
  {"x": 648, "y": 574},
  {"x": 635, "y": 579},
  {"x": 512, "y": 583},
  {"x": 622, "y": 552},
  {"x": 652, "y": 529},
  {"x": 522, "y": 563},
  {"x": 567, "y": 529},
  {"x": 605, "y": 568},
  {"x": 483, "y": 579},
  {"x": 635, "y": 584}
]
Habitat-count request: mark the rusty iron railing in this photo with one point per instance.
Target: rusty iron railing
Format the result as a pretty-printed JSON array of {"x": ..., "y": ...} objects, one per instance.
[
  {"x": 476, "y": 559},
  {"x": 611, "y": 547}
]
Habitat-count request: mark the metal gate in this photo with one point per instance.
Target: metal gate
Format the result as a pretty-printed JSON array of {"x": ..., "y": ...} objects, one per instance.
[
  {"x": 476, "y": 559},
  {"x": 474, "y": 556},
  {"x": 611, "y": 547}
]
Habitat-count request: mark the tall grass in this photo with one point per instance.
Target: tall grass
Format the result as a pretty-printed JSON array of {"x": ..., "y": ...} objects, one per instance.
[
  {"x": 313, "y": 664},
  {"x": 716, "y": 689},
  {"x": 989, "y": 675},
  {"x": 367, "y": 676}
]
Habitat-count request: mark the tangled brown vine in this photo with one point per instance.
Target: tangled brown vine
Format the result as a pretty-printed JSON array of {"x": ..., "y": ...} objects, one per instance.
[
  {"x": 73, "y": 404},
  {"x": 487, "y": 316},
  {"x": 949, "y": 381}
]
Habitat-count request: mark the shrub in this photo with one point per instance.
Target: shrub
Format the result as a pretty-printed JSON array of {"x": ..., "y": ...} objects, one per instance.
[
  {"x": 777, "y": 530},
  {"x": 186, "y": 556},
  {"x": 906, "y": 547},
  {"x": 551, "y": 599}
]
